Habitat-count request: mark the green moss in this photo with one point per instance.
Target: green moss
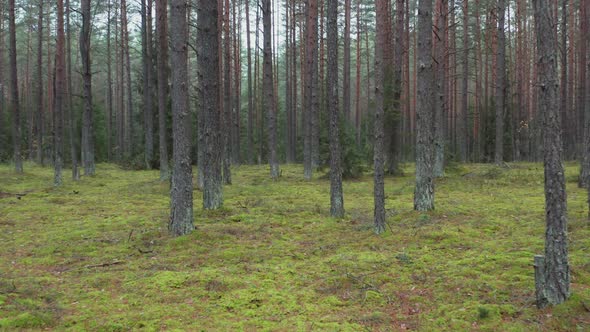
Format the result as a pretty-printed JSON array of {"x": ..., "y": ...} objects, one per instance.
[{"x": 272, "y": 258}]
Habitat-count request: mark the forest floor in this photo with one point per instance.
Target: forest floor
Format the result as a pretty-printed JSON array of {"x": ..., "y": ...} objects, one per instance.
[{"x": 95, "y": 255}]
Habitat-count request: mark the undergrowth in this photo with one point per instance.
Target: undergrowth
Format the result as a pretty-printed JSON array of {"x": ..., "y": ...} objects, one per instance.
[{"x": 95, "y": 255}]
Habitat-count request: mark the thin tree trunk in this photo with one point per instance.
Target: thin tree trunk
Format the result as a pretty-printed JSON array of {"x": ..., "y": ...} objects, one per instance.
[
  {"x": 129, "y": 130},
  {"x": 584, "y": 179},
  {"x": 146, "y": 36},
  {"x": 439, "y": 101},
  {"x": 346, "y": 65},
  {"x": 336, "y": 197},
  {"x": 59, "y": 96},
  {"x": 311, "y": 86},
  {"x": 227, "y": 102},
  {"x": 269, "y": 91},
  {"x": 250, "y": 96},
  {"x": 162, "y": 32},
  {"x": 88, "y": 125},
  {"x": 181, "y": 193},
  {"x": 38, "y": 118},
  {"x": 500, "y": 84},
  {"x": 16, "y": 129},
  {"x": 209, "y": 80},
  {"x": 424, "y": 192},
  {"x": 72, "y": 128},
  {"x": 378, "y": 154},
  {"x": 464, "y": 133},
  {"x": 357, "y": 99},
  {"x": 109, "y": 86},
  {"x": 555, "y": 278}
]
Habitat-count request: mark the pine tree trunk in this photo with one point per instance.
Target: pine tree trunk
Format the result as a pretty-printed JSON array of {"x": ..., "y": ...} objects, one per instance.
[
  {"x": 88, "y": 124},
  {"x": 424, "y": 192},
  {"x": 336, "y": 198},
  {"x": 146, "y": 36},
  {"x": 59, "y": 96},
  {"x": 500, "y": 84},
  {"x": 38, "y": 118},
  {"x": 72, "y": 119},
  {"x": 269, "y": 89},
  {"x": 311, "y": 81},
  {"x": 109, "y": 100},
  {"x": 463, "y": 135},
  {"x": 346, "y": 65},
  {"x": 16, "y": 125},
  {"x": 556, "y": 275},
  {"x": 209, "y": 80},
  {"x": 162, "y": 32},
  {"x": 181, "y": 192},
  {"x": 584, "y": 179},
  {"x": 378, "y": 154},
  {"x": 439, "y": 115},
  {"x": 227, "y": 102}
]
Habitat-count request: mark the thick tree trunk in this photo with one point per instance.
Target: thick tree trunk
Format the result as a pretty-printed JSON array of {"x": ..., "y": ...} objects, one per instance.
[
  {"x": 181, "y": 193},
  {"x": 209, "y": 80},
  {"x": 146, "y": 36},
  {"x": 378, "y": 152},
  {"x": 16, "y": 125},
  {"x": 500, "y": 84},
  {"x": 424, "y": 192},
  {"x": 88, "y": 123},
  {"x": 269, "y": 89},
  {"x": 162, "y": 32},
  {"x": 60, "y": 60},
  {"x": 336, "y": 197},
  {"x": 556, "y": 274}
]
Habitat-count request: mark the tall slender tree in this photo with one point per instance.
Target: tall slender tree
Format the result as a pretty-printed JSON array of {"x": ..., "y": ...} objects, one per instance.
[
  {"x": 109, "y": 101},
  {"x": 72, "y": 127},
  {"x": 16, "y": 131},
  {"x": 226, "y": 124},
  {"x": 553, "y": 273},
  {"x": 500, "y": 83},
  {"x": 250, "y": 95},
  {"x": 146, "y": 52},
  {"x": 87, "y": 119},
  {"x": 162, "y": 63},
  {"x": 424, "y": 192},
  {"x": 346, "y": 64},
  {"x": 336, "y": 196},
  {"x": 379, "y": 187},
  {"x": 269, "y": 91},
  {"x": 209, "y": 80},
  {"x": 60, "y": 60},
  {"x": 311, "y": 80},
  {"x": 181, "y": 193},
  {"x": 38, "y": 118}
]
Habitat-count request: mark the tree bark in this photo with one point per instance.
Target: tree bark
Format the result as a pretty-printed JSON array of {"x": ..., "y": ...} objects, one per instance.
[
  {"x": 109, "y": 101},
  {"x": 336, "y": 197},
  {"x": 129, "y": 132},
  {"x": 464, "y": 133},
  {"x": 162, "y": 63},
  {"x": 556, "y": 270},
  {"x": 59, "y": 96},
  {"x": 311, "y": 80},
  {"x": 250, "y": 95},
  {"x": 500, "y": 84},
  {"x": 346, "y": 64},
  {"x": 38, "y": 118},
  {"x": 584, "y": 179},
  {"x": 16, "y": 129},
  {"x": 378, "y": 153},
  {"x": 268, "y": 88},
  {"x": 227, "y": 102},
  {"x": 72, "y": 119},
  {"x": 181, "y": 193},
  {"x": 88, "y": 123},
  {"x": 440, "y": 79},
  {"x": 146, "y": 36},
  {"x": 209, "y": 80},
  {"x": 424, "y": 192}
]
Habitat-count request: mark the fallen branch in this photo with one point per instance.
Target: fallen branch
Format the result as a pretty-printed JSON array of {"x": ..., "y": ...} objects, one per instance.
[{"x": 104, "y": 264}]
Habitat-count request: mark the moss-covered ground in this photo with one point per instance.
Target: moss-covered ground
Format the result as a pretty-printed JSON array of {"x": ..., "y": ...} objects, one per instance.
[{"x": 95, "y": 255}]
